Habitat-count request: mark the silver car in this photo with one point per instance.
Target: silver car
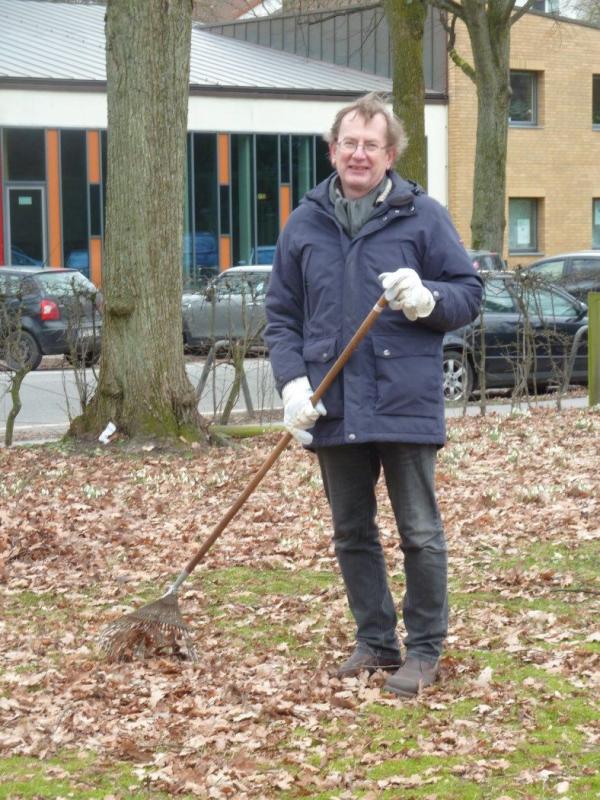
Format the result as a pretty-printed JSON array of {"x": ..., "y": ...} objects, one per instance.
[{"x": 231, "y": 308}]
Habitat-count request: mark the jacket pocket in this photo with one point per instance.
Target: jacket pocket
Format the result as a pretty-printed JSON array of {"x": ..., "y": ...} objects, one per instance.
[
  {"x": 319, "y": 356},
  {"x": 408, "y": 375}
]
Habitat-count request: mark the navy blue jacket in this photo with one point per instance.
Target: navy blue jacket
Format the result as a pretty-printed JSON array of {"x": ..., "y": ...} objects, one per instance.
[{"x": 324, "y": 284}]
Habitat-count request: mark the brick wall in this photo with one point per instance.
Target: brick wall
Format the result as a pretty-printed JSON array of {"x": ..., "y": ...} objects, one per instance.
[{"x": 559, "y": 160}]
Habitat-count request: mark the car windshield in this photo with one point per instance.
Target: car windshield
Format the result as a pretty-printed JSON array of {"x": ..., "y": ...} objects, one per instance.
[
  {"x": 497, "y": 298},
  {"x": 65, "y": 283},
  {"x": 253, "y": 284}
]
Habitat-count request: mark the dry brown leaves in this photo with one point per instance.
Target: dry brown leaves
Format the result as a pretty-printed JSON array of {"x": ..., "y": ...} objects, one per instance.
[{"x": 81, "y": 533}]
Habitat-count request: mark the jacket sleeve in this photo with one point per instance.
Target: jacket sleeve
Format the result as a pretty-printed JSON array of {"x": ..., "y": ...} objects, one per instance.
[
  {"x": 285, "y": 310},
  {"x": 449, "y": 274}
]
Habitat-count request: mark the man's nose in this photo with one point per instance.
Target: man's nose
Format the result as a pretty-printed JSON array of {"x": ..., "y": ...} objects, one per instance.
[{"x": 360, "y": 151}]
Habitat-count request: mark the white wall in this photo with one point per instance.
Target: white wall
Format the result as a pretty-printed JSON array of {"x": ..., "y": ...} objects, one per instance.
[{"x": 48, "y": 109}]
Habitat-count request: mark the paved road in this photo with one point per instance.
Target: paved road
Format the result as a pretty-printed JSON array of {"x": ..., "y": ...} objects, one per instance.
[{"x": 50, "y": 398}]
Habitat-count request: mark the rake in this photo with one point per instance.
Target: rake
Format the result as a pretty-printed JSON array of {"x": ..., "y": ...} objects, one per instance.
[{"x": 158, "y": 627}]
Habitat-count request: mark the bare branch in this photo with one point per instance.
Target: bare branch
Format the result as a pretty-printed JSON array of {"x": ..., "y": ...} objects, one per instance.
[
  {"x": 520, "y": 11},
  {"x": 452, "y": 52},
  {"x": 450, "y": 6}
]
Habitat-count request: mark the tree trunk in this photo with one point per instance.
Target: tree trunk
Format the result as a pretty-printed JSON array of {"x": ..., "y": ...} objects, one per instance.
[
  {"x": 143, "y": 387},
  {"x": 406, "y": 22},
  {"x": 489, "y": 32}
]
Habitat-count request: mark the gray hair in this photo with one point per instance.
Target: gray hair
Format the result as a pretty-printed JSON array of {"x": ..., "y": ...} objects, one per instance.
[{"x": 367, "y": 107}]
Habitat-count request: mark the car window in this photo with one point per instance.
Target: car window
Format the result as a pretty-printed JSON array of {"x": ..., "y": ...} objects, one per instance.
[
  {"x": 549, "y": 270},
  {"x": 585, "y": 267},
  {"x": 251, "y": 285},
  {"x": 11, "y": 285},
  {"x": 545, "y": 303},
  {"x": 497, "y": 298},
  {"x": 65, "y": 283}
]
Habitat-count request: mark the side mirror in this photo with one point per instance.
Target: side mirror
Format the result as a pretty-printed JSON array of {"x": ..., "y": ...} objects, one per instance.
[{"x": 210, "y": 293}]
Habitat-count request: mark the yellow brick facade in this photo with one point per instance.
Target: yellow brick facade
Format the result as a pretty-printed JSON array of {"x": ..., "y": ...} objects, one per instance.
[{"x": 558, "y": 161}]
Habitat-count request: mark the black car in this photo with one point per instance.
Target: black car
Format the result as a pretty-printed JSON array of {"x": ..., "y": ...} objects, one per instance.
[
  {"x": 577, "y": 273},
  {"x": 526, "y": 333},
  {"x": 48, "y": 312}
]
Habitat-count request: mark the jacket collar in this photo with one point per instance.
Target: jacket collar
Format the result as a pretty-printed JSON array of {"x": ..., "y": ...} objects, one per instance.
[{"x": 401, "y": 194}]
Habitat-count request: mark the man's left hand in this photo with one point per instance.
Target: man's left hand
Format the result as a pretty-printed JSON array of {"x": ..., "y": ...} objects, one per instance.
[{"x": 405, "y": 292}]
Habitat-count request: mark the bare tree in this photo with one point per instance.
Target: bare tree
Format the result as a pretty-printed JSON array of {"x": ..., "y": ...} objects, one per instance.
[
  {"x": 406, "y": 22},
  {"x": 143, "y": 387},
  {"x": 489, "y": 24}
]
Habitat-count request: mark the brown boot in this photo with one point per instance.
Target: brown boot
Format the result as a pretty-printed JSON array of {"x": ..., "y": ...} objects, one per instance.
[
  {"x": 364, "y": 657},
  {"x": 412, "y": 677}
]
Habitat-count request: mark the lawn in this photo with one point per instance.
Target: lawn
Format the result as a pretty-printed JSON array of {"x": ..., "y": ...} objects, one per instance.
[{"x": 86, "y": 535}]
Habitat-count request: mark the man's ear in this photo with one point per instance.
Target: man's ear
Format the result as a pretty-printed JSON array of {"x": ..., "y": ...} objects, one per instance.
[{"x": 332, "y": 148}]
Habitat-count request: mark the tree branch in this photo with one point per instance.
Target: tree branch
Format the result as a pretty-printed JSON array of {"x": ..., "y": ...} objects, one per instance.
[
  {"x": 520, "y": 11},
  {"x": 452, "y": 52},
  {"x": 450, "y": 6}
]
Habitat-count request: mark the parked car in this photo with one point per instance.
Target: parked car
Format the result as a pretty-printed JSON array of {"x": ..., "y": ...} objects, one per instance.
[
  {"x": 511, "y": 308},
  {"x": 232, "y": 307},
  {"x": 577, "y": 273},
  {"x": 486, "y": 260},
  {"x": 48, "y": 312},
  {"x": 19, "y": 258}
]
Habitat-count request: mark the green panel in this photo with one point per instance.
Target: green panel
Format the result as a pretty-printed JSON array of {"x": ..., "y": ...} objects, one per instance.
[{"x": 594, "y": 348}]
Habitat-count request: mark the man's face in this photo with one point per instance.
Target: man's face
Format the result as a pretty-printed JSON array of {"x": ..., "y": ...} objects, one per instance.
[{"x": 361, "y": 171}]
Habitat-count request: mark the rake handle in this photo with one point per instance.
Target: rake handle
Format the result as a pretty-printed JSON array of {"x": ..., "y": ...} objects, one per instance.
[{"x": 284, "y": 440}]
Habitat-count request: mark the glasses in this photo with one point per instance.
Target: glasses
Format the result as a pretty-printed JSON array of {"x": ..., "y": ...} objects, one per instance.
[{"x": 351, "y": 146}]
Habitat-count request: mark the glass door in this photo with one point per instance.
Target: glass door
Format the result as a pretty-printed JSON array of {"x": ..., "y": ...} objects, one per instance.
[{"x": 26, "y": 225}]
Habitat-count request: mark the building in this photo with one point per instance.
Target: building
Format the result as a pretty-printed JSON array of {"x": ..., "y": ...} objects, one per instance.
[
  {"x": 255, "y": 145},
  {"x": 553, "y": 165}
]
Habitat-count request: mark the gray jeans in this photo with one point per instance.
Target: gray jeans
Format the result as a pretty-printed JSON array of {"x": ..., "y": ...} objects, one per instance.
[{"x": 350, "y": 474}]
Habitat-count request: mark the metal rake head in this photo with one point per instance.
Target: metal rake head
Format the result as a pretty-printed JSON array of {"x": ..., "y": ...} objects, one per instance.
[{"x": 154, "y": 629}]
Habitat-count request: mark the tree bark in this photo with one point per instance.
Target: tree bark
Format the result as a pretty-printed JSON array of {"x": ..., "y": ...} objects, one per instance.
[
  {"x": 143, "y": 387},
  {"x": 489, "y": 30},
  {"x": 406, "y": 22}
]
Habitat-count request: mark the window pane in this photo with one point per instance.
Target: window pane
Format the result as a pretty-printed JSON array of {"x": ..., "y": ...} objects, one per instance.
[
  {"x": 522, "y": 225},
  {"x": 25, "y": 155},
  {"x": 302, "y": 167},
  {"x": 596, "y": 100},
  {"x": 523, "y": 100},
  {"x": 267, "y": 196},
  {"x": 323, "y": 165},
  {"x": 206, "y": 207},
  {"x": 550, "y": 271},
  {"x": 545, "y": 304},
  {"x": 242, "y": 192},
  {"x": 596, "y": 224},
  {"x": 74, "y": 199}
]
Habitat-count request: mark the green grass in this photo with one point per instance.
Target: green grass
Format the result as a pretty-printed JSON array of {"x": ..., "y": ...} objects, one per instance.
[{"x": 76, "y": 777}]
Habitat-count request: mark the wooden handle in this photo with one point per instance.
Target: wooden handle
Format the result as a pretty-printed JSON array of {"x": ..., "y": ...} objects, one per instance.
[{"x": 286, "y": 438}]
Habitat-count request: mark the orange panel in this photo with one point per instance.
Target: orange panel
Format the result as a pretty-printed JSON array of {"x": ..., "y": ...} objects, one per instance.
[
  {"x": 93, "y": 156},
  {"x": 285, "y": 204},
  {"x": 96, "y": 261},
  {"x": 55, "y": 256},
  {"x": 224, "y": 252},
  {"x": 223, "y": 158}
]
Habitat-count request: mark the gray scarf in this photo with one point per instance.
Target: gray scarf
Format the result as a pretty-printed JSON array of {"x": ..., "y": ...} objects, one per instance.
[{"x": 353, "y": 214}]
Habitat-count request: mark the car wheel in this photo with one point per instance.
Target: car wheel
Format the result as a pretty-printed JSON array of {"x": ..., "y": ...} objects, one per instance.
[
  {"x": 22, "y": 350},
  {"x": 458, "y": 376}
]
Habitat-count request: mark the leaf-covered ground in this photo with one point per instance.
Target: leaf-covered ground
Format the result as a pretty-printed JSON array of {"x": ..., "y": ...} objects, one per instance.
[{"x": 86, "y": 536}]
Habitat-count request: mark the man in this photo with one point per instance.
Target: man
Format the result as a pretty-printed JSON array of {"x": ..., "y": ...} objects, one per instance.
[{"x": 362, "y": 229}]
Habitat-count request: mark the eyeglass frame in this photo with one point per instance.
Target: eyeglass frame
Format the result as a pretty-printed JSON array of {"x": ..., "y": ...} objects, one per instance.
[{"x": 369, "y": 148}]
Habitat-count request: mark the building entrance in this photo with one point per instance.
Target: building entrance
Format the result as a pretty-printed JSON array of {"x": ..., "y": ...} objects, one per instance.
[{"x": 26, "y": 225}]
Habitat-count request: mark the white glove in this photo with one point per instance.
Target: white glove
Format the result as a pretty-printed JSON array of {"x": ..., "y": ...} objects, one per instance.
[
  {"x": 405, "y": 292},
  {"x": 298, "y": 412}
]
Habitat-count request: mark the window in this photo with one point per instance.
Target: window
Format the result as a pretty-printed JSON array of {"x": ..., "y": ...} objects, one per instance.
[
  {"x": 523, "y": 101},
  {"x": 550, "y": 270},
  {"x": 596, "y": 101},
  {"x": 522, "y": 225},
  {"x": 596, "y": 223}
]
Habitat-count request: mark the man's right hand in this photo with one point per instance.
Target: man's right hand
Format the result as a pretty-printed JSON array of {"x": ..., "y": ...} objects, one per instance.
[{"x": 298, "y": 412}]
